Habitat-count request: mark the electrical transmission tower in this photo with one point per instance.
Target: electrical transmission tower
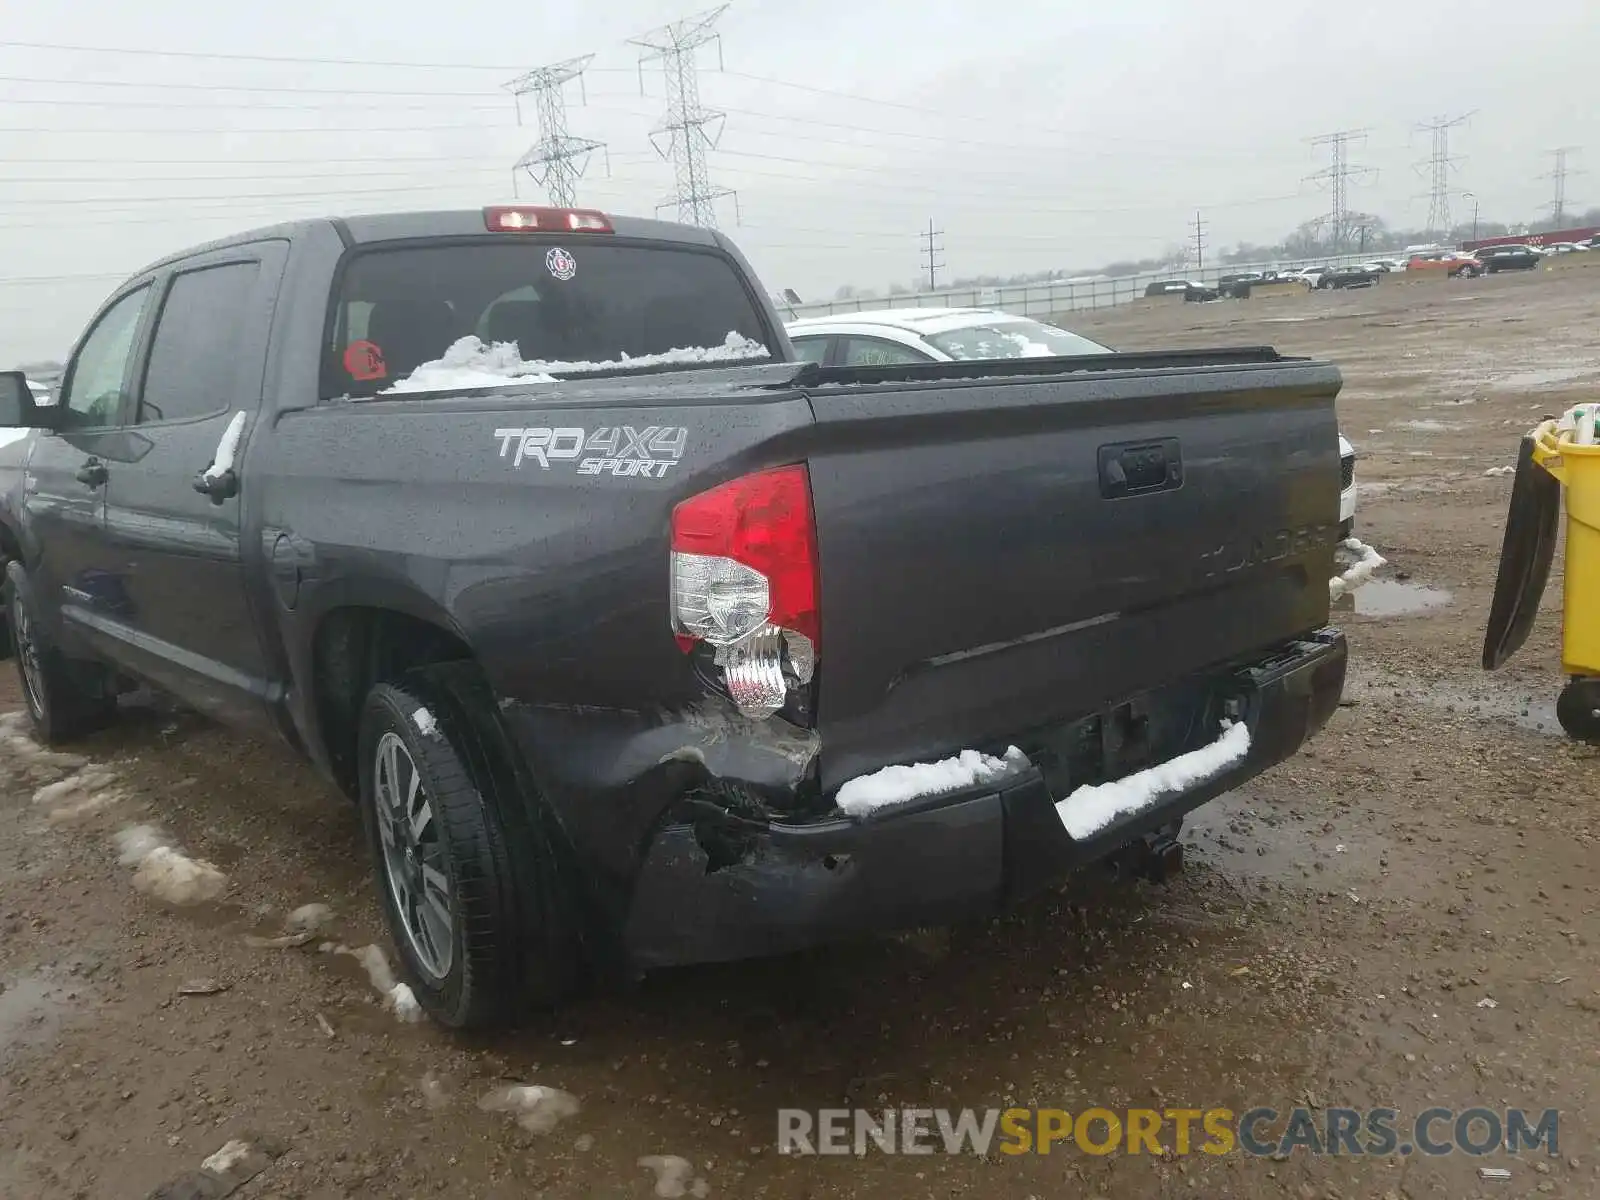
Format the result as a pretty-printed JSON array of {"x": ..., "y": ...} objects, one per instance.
[
  {"x": 1197, "y": 239},
  {"x": 1558, "y": 205},
  {"x": 1439, "y": 164},
  {"x": 688, "y": 128},
  {"x": 557, "y": 160},
  {"x": 931, "y": 249},
  {"x": 1338, "y": 175}
]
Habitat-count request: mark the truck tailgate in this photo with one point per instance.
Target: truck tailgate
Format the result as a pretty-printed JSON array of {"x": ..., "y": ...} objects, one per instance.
[{"x": 1000, "y": 554}]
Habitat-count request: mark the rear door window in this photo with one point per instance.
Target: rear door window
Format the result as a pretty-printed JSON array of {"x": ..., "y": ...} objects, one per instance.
[
  {"x": 199, "y": 337},
  {"x": 574, "y": 302}
]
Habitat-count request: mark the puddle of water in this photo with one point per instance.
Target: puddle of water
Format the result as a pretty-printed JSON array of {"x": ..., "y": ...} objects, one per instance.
[
  {"x": 1533, "y": 712},
  {"x": 1390, "y": 598},
  {"x": 31, "y": 1010},
  {"x": 1428, "y": 425},
  {"x": 1543, "y": 377}
]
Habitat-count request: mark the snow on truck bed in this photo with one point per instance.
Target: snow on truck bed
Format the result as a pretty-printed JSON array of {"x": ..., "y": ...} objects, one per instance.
[{"x": 468, "y": 363}]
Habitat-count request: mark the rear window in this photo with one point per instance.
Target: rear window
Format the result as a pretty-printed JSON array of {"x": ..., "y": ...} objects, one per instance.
[{"x": 565, "y": 307}]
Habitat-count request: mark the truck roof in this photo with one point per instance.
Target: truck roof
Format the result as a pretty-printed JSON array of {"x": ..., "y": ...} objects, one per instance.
[{"x": 384, "y": 227}]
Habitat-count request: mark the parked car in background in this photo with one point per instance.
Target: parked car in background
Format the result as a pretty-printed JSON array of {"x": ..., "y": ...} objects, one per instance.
[
  {"x": 911, "y": 335},
  {"x": 1237, "y": 285},
  {"x": 1348, "y": 277},
  {"x": 1565, "y": 248},
  {"x": 1510, "y": 257},
  {"x": 1347, "y": 487},
  {"x": 1197, "y": 292},
  {"x": 1452, "y": 262}
]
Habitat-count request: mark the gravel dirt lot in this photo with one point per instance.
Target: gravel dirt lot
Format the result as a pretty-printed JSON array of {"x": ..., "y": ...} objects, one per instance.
[{"x": 1332, "y": 942}]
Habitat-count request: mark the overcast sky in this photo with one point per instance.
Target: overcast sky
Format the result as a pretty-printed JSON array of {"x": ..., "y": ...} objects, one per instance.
[{"x": 1036, "y": 134}]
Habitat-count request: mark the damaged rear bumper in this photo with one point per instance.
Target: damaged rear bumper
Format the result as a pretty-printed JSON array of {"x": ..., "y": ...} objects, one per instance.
[{"x": 945, "y": 858}]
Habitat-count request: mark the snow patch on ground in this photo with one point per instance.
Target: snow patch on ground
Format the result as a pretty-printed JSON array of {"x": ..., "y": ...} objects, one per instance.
[
  {"x": 397, "y": 997},
  {"x": 1089, "y": 809},
  {"x": 299, "y": 927},
  {"x": 1496, "y": 472},
  {"x": 1367, "y": 561},
  {"x": 902, "y": 784},
  {"x": 538, "y": 1109},
  {"x": 469, "y": 363},
  {"x": 164, "y": 872},
  {"x": 77, "y": 795},
  {"x": 675, "y": 1176},
  {"x": 37, "y": 764}
]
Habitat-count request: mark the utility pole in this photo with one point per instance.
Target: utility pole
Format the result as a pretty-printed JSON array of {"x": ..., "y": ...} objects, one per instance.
[
  {"x": 557, "y": 160},
  {"x": 1474, "y": 198},
  {"x": 1438, "y": 165},
  {"x": 931, "y": 250},
  {"x": 688, "y": 129},
  {"x": 1199, "y": 240},
  {"x": 1337, "y": 175},
  {"x": 1558, "y": 205}
]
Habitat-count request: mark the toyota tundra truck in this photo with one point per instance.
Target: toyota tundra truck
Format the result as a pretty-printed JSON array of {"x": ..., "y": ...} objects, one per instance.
[{"x": 637, "y": 641}]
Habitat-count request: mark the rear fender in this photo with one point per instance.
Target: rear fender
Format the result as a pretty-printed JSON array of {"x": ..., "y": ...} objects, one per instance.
[{"x": 1526, "y": 552}]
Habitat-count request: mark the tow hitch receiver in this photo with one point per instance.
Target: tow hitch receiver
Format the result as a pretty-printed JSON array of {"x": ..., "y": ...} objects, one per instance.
[{"x": 1156, "y": 857}]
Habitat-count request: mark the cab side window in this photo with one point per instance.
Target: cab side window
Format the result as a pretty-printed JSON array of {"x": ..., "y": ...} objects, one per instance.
[
  {"x": 194, "y": 356},
  {"x": 101, "y": 375}
]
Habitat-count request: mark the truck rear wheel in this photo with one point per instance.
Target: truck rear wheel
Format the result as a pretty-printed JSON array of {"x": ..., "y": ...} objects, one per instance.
[
  {"x": 468, "y": 868},
  {"x": 66, "y": 699}
]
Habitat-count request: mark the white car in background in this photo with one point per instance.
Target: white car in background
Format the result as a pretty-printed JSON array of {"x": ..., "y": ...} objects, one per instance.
[{"x": 892, "y": 336}]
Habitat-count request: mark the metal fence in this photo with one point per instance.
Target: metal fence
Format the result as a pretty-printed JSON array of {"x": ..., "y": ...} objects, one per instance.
[{"x": 1046, "y": 297}]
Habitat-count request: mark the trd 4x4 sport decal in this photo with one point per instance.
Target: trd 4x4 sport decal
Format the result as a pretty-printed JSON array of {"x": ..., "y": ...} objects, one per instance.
[{"x": 619, "y": 450}]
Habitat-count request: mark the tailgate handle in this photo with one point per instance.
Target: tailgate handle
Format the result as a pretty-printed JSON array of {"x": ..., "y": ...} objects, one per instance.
[{"x": 1134, "y": 468}]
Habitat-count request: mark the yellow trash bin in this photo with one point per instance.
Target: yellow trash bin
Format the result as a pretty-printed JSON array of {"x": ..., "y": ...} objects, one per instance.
[{"x": 1553, "y": 464}]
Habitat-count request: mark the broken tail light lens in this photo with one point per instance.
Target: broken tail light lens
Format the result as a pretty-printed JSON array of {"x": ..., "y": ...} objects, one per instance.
[{"x": 744, "y": 582}]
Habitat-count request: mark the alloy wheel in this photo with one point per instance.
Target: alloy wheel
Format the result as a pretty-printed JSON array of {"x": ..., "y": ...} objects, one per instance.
[{"x": 414, "y": 858}]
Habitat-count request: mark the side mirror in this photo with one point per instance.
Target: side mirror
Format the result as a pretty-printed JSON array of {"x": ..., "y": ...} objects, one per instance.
[{"x": 17, "y": 407}]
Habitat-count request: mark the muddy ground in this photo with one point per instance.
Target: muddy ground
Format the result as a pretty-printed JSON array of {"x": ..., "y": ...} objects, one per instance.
[{"x": 1333, "y": 941}]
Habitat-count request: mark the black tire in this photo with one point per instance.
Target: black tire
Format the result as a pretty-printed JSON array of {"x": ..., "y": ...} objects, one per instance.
[
  {"x": 512, "y": 938},
  {"x": 1578, "y": 709},
  {"x": 65, "y": 698}
]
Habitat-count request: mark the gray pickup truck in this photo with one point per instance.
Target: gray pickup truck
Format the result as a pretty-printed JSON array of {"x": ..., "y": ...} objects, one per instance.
[{"x": 638, "y": 642}]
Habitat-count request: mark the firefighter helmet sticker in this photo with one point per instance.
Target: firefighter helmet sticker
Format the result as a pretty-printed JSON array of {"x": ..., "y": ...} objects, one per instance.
[
  {"x": 363, "y": 361},
  {"x": 560, "y": 263}
]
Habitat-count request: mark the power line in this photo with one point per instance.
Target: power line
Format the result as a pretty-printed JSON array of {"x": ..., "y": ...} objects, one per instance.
[
  {"x": 688, "y": 125},
  {"x": 1439, "y": 164},
  {"x": 557, "y": 160},
  {"x": 1558, "y": 204},
  {"x": 262, "y": 58},
  {"x": 1338, "y": 175},
  {"x": 930, "y": 251},
  {"x": 1198, "y": 239},
  {"x": 188, "y": 86}
]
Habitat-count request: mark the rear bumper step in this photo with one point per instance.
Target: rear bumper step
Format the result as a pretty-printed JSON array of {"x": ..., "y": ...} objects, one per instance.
[{"x": 951, "y": 857}]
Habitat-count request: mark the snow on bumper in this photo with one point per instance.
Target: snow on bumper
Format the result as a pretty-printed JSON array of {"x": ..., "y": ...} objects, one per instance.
[{"x": 936, "y": 855}]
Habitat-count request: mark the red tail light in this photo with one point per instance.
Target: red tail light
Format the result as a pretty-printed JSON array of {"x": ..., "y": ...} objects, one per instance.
[
  {"x": 744, "y": 581},
  {"x": 527, "y": 218}
]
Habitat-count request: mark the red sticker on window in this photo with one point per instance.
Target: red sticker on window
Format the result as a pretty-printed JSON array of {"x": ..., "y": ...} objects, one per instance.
[{"x": 364, "y": 361}]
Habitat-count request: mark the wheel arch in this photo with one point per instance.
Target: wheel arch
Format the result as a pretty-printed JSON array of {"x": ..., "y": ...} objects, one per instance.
[{"x": 360, "y": 637}]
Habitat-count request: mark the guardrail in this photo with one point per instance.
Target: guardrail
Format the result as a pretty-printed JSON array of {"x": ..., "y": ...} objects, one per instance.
[{"x": 1045, "y": 297}]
